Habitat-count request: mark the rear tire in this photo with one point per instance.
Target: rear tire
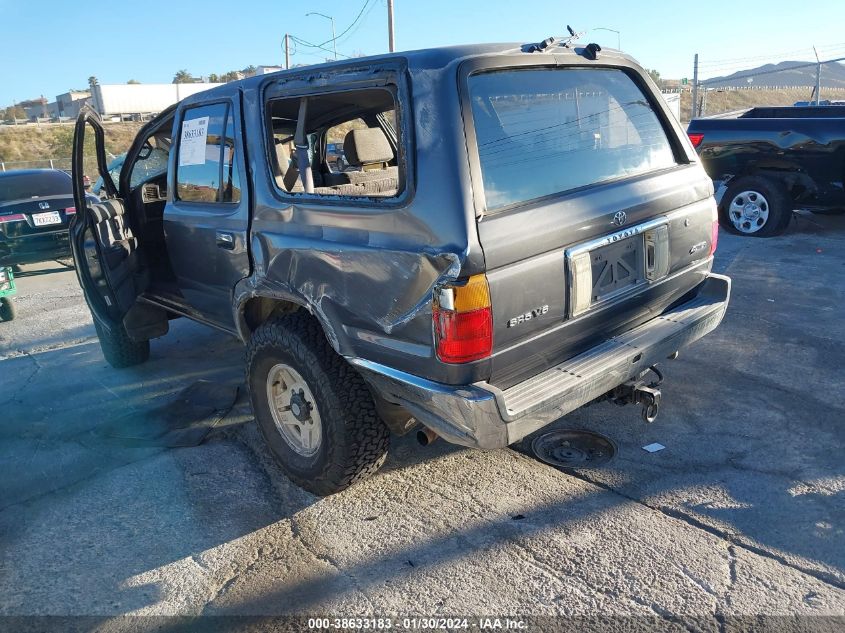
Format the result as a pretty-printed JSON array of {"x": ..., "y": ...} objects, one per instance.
[
  {"x": 755, "y": 206},
  {"x": 7, "y": 309},
  {"x": 296, "y": 380},
  {"x": 119, "y": 350}
]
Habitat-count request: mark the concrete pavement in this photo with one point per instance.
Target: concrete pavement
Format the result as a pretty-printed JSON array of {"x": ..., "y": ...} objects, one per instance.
[{"x": 742, "y": 514}]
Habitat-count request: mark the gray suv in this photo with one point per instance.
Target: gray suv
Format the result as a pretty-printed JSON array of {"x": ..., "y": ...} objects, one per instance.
[{"x": 520, "y": 230}]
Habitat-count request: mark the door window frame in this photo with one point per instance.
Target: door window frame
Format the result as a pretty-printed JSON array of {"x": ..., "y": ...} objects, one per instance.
[
  {"x": 223, "y": 207},
  {"x": 391, "y": 77}
]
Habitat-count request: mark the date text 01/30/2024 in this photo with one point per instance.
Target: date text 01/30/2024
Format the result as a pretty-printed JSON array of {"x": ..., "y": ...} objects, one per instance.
[{"x": 419, "y": 624}]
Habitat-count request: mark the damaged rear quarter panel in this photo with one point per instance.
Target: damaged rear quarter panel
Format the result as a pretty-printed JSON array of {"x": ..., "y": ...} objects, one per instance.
[{"x": 367, "y": 268}]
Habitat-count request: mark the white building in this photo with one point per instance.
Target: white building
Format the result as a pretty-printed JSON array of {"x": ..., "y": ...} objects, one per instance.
[{"x": 266, "y": 70}]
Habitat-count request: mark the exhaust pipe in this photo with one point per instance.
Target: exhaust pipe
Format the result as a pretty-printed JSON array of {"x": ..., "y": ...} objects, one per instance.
[{"x": 426, "y": 436}]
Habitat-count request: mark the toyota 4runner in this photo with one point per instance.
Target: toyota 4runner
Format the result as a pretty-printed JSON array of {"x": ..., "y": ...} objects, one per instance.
[{"x": 515, "y": 231}]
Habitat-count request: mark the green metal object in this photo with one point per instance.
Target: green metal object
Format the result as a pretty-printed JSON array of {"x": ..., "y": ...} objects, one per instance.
[{"x": 7, "y": 282}]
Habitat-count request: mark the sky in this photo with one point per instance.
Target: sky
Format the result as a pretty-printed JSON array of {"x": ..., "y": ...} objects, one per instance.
[{"x": 58, "y": 46}]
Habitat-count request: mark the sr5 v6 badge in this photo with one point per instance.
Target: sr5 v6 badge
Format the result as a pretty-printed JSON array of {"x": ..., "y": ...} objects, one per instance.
[{"x": 522, "y": 318}]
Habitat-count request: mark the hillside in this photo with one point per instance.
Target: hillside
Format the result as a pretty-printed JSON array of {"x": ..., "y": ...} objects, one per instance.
[
  {"x": 782, "y": 74},
  {"x": 28, "y": 146}
]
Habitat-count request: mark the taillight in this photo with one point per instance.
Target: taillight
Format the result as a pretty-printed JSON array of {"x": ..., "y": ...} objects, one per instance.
[
  {"x": 463, "y": 321},
  {"x": 714, "y": 236},
  {"x": 695, "y": 138},
  {"x": 70, "y": 210}
]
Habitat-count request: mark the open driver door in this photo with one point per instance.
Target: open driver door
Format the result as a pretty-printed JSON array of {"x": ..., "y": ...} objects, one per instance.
[{"x": 108, "y": 259}]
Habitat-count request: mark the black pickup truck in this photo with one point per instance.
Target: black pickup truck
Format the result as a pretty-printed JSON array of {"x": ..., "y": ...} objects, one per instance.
[{"x": 765, "y": 162}]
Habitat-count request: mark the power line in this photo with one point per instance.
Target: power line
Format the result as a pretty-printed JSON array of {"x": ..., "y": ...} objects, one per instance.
[
  {"x": 713, "y": 66},
  {"x": 770, "y": 72},
  {"x": 358, "y": 17},
  {"x": 299, "y": 40},
  {"x": 361, "y": 23}
]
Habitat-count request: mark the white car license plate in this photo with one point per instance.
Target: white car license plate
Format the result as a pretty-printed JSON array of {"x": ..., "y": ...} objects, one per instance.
[{"x": 44, "y": 219}]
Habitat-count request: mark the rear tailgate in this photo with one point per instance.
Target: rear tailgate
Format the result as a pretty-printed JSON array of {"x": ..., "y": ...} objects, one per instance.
[{"x": 595, "y": 221}]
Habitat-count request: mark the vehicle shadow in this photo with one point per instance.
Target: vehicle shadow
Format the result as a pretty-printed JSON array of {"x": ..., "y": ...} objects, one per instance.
[{"x": 753, "y": 455}]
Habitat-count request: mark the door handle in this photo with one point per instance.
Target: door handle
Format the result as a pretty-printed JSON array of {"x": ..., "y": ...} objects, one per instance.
[{"x": 225, "y": 240}]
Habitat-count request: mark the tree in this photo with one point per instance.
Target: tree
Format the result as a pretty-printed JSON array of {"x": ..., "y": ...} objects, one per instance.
[
  {"x": 133, "y": 82},
  {"x": 213, "y": 78},
  {"x": 655, "y": 75},
  {"x": 92, "y": 81},
  {"x": 13, "y": 112},
  {"x": 250, "y": 70},
  {"x": 183, "y": 77}
]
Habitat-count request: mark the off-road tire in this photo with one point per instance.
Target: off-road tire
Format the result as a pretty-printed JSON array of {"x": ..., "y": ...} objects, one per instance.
[
  {"x": 119, "y": 350},
  {"x": 354, "y": 439},
  {"x": 7, "y": 309},
  {"x": 779, "y": 201}
]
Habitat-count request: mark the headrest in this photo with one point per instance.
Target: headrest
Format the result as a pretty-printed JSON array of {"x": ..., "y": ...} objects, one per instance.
[
  {"x": 368, "y": 146},
  {"x": 282, "y": 157}
]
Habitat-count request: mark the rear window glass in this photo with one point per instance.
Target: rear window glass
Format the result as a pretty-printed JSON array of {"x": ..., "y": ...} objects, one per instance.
[
  {"x": 24, "y": 186},
  {"x": 541, "y": 132}
]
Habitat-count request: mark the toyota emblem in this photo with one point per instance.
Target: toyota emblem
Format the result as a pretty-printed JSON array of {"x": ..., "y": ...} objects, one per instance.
[{"x": 619, "y": 218}]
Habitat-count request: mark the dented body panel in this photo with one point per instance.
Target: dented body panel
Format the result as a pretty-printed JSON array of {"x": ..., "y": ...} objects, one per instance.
[{"x": 803, "y": 147}]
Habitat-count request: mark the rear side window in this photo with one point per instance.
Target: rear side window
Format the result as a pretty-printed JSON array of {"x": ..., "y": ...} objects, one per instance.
[
  {"x": 349, "y": 147},
  {"x": 206, "y": 169},
  {"x": 541, "y": 132}
]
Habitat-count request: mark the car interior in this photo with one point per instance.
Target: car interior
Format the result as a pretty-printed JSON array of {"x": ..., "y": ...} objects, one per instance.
[
  {"x": 363, "y": 122},
  {"x": 364, "y": 161}
]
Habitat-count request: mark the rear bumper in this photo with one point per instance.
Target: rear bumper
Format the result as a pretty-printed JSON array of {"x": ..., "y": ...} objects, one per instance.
[
  {"x": 34, "y": 248},
  {"x": 483, "y": 416}
]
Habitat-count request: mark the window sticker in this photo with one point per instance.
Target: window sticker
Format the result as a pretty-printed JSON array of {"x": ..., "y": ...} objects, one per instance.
[{"x": 192, "y": 148}]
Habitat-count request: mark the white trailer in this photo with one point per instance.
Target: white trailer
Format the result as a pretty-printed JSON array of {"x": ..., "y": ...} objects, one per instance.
[{"x": 141, "y": 99}]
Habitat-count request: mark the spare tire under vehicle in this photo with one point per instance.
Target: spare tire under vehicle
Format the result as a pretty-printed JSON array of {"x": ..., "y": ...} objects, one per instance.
[{"x": 755, "y": 206}]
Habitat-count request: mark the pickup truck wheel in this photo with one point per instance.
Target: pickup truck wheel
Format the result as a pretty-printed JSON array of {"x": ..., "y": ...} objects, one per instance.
[
  {"x": 119, "y": 350},
  {"x": 7, "y": 309},
  {"x": 314, "y": 410},
  {"x": 756, "y": 206}
]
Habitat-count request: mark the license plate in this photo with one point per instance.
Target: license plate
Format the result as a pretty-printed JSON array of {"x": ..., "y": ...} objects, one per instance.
[
  {"x": 617, "y": 267},
  {"x": 45, "y": 219}
]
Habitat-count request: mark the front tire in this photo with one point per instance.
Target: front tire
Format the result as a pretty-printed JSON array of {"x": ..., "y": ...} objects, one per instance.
[
  {"x": 7, "y": 309},
  {"x": 314, "y": 410},
  {"x": 119, "y": 350},
  {"x": 755, "y": 206}
]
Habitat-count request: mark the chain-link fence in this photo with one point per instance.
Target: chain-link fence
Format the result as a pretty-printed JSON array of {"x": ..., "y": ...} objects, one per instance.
[
  {"x": 47, "y": 163},
  {"x": 63, "y": 164}
]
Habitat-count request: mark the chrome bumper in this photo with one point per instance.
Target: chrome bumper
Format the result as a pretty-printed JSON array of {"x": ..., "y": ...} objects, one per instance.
[{"x": 483, "y": 416}]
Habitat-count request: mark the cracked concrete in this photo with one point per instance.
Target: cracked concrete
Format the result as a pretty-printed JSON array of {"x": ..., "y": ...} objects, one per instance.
[{"x": 741, "y": 515}]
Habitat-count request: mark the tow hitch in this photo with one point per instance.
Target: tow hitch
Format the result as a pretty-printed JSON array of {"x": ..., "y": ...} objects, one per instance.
[{"x": 642, "y": 393}]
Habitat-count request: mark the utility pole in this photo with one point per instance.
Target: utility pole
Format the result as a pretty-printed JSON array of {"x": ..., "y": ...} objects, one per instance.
[
  {"x": 390, "y": 38},
  {"x": 287, "y": 51},
  {"x": 694, "y": 87},
  {"x": 818, "y": 77}
]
